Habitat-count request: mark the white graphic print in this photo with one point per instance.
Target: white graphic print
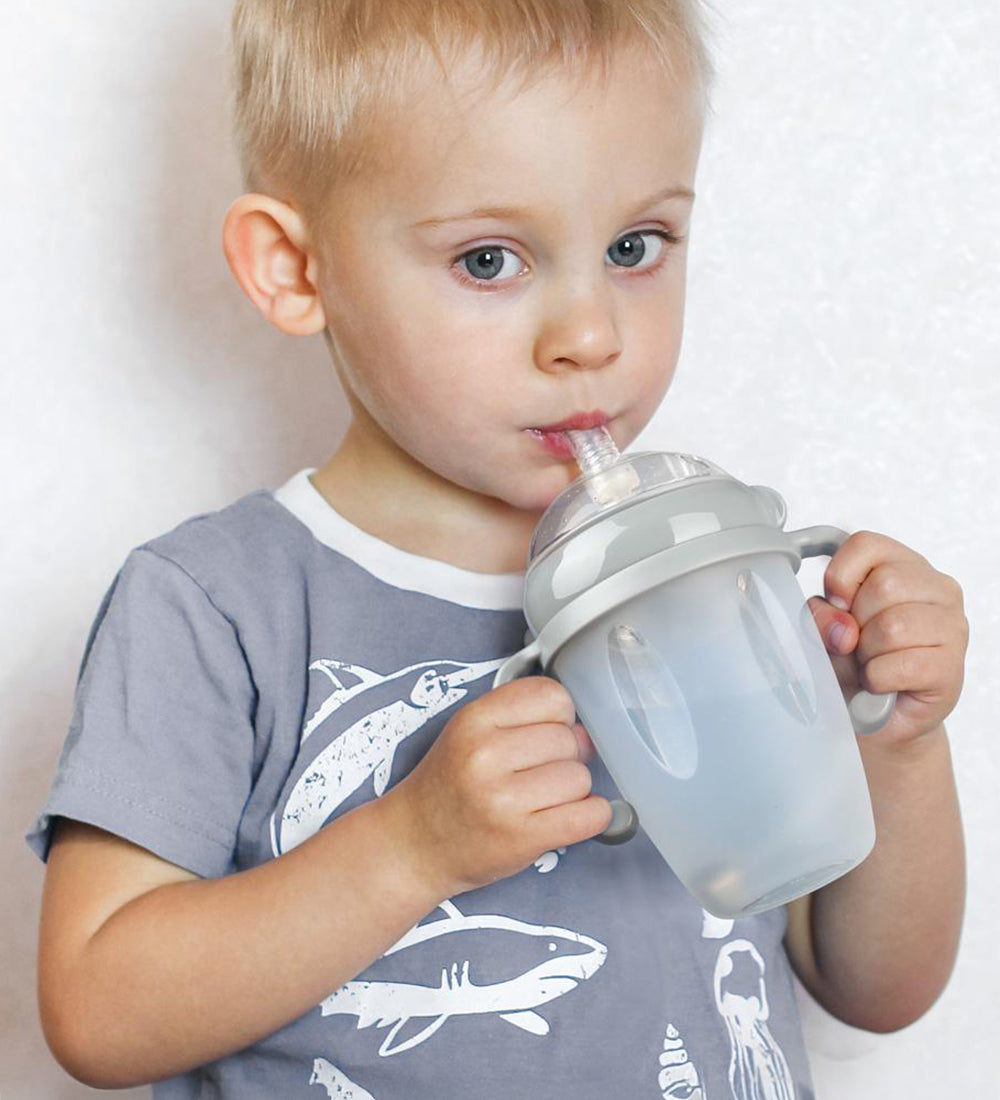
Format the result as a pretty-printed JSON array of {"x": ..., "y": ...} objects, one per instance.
[
  {"x": 678, "y": 1080},
  {"x": 548, "y": 860},
  {"x": 757, "y": 1067},
  {"x": 714, "y": 928},
  {"x": 367, "y": 747},
  {"x": 337, "y": 1084},
  {"x": 394, "y": 1004}
]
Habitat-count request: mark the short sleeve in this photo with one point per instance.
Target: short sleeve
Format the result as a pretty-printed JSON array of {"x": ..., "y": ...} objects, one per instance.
[{"x": 160, "y": 746}]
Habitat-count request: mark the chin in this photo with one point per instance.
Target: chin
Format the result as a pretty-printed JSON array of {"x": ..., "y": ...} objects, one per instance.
[{"x": 536, "y": 493}]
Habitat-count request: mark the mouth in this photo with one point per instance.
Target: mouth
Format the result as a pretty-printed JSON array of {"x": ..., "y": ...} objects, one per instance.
[
  {"x": 580, "y": 421},
  {"x": 555, "y": 442}
]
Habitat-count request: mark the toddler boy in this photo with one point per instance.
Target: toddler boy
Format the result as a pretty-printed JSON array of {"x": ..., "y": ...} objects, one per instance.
[{"x": 296, "y": 844}]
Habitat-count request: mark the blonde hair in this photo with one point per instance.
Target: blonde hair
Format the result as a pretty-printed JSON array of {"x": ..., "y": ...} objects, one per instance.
[{"x": 311, "y": 79}]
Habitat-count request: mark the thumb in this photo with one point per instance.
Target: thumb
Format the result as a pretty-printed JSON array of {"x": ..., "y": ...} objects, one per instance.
[{"x": 838, "y": 629}]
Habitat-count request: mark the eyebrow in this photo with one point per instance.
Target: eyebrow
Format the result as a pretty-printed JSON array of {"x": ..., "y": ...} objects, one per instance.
[{"x": 511, "y": 212}]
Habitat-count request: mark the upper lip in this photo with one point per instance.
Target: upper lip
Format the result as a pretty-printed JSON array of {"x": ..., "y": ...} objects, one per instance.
[{"x": 579, "y": 421}]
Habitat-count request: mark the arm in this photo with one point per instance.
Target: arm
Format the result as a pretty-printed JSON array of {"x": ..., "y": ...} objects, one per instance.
[
  {"x": 146, "y": 970},
  {"x": 877, "y": 946}
]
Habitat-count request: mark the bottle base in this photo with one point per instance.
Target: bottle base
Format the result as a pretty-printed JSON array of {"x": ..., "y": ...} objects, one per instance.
[{"x": 797, "y": 887}]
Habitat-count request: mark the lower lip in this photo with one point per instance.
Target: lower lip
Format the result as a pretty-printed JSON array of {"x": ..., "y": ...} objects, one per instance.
[{"x": 555, "y": 443}]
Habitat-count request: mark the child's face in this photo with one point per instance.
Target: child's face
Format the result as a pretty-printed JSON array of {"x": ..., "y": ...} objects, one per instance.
[{"x": 458, "y": 337}]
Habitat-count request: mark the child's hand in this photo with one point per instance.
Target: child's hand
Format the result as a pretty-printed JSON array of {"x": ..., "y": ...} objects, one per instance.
[
  {"x": 905, "y": 631},
  {"x": 505, "y": 781}
]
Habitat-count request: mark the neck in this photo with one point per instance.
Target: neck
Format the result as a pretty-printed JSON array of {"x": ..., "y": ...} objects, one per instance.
[{"x": 382, "y": 489}]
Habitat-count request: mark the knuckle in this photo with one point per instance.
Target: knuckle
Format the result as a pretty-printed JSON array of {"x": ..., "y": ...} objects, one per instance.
[
  {"x": 553, "y": 696},
  {"x": 886, "y": 583},
  {"x": 896, "y": 625},
  {"x": 955, "y": 589},
  {"x": 479, "y": 765},
  {"x": 863, "y": 540},
  {"x": 499, "y": 805},
  {"x": 469, "y": 718}
]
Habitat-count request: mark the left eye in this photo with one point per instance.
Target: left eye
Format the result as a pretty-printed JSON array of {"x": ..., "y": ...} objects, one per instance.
[
  {"x": 486, "y": 262},
  {"x": 631, "y": 248}
]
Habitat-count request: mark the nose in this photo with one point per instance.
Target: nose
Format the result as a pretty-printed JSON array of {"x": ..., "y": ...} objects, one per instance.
[{"x": 580, "y": 332}]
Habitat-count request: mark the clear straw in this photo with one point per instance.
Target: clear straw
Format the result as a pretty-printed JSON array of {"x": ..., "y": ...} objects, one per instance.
[
  {"x": 594, "y": 449},
  {"x": 607, "y": 477}
]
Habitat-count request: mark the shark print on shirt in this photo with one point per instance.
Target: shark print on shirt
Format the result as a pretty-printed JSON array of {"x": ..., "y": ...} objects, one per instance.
[
  {"x": 569, "y": 959},
  {"x": 337, "y": 1084}
]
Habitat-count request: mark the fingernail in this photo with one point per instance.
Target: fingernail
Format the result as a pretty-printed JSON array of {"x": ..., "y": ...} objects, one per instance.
[
  {"x": 838, "y": 635},
  {"x": 837, "y": 601}
]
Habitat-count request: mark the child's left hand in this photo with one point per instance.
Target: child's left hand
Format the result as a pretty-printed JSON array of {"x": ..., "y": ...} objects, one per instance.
[{"x": 906, "y": 631}]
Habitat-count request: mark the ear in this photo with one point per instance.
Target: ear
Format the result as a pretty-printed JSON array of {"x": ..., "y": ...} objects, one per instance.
[{"x": 266, "y": 244}]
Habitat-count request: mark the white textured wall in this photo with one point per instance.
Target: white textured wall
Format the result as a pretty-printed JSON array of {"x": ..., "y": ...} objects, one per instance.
[{"x": 843, "y": 346}]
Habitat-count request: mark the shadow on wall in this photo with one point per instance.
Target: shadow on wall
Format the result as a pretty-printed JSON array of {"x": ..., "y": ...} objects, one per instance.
[
  {"x": 295, "y": 411},
  {"x": 158, "y": 172}
]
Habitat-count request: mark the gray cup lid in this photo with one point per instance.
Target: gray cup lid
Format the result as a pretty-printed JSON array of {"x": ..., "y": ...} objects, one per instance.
[{"x": 634, "y": 477}]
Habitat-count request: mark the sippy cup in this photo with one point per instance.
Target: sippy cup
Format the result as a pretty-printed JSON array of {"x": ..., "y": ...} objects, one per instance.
[{"x": 661, "y": 592}]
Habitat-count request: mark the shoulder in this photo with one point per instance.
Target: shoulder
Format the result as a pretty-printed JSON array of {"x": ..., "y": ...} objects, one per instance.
[
  {"x": 250, "y": 545},
  {"x": 243, "y": 528}
]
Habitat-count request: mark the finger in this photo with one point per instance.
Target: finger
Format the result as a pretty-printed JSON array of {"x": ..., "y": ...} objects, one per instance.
[
  {"x": 827, "y": 618},
  {"x": 897, "y": 582},
  {"x": 859, "y": 556},
  {"x": 528, "y": 700},
  {"x": 550, "y": 784},
  {"x": 560, "y": 826},
  {"x": 530, "y": 746},
  {"x": 588, "y": 750},
  {"x": 906, "y": 626},
  {"x": 912, "y": 670}
]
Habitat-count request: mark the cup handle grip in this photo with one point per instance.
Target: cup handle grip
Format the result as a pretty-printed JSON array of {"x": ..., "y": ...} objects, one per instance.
[
  {"x": 624, "y": 819},
  {"x": 869, "y": 712}
]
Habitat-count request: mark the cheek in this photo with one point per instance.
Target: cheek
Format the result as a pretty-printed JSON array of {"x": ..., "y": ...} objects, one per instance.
[{"x": 427, "y": 400}]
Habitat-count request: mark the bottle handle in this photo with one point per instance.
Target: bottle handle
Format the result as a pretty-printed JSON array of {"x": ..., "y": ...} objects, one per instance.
[
  {"x": 869, "y": 712},
  {"x": 527, "y": 661}
]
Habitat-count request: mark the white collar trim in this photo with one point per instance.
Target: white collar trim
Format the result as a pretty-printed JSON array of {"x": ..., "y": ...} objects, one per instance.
[{"x": 486, "y": 591}]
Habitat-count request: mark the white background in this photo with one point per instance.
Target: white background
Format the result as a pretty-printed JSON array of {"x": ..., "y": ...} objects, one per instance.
[{"x": 843, "y": 346}]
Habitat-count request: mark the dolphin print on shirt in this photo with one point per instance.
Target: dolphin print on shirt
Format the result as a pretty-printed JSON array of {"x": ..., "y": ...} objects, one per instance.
[
  {"x": 394, "y": 1004},
  {"x": 416, "y": 694}
]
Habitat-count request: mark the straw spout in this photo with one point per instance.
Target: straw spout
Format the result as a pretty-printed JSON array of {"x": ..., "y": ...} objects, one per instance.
[{"x": 608, "y": 478}]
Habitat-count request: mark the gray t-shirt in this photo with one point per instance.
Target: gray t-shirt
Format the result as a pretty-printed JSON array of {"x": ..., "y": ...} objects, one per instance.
[{"x": 259, "y": 670}]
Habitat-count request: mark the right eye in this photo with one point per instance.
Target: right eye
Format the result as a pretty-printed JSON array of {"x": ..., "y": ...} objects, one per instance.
[{"x": 483, "y": 264}]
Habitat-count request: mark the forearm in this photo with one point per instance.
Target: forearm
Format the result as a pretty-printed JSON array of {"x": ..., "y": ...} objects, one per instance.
[
  {"x": 192, "y": 971},
  {"x": 885, "y": 935}
]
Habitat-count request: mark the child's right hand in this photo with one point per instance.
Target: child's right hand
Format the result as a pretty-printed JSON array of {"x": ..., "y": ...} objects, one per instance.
[{"x": 505, "y": 781}]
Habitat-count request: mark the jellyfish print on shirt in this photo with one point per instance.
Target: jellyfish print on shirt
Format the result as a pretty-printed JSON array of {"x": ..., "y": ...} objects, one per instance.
[{"x": 757, "y": 1067}]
